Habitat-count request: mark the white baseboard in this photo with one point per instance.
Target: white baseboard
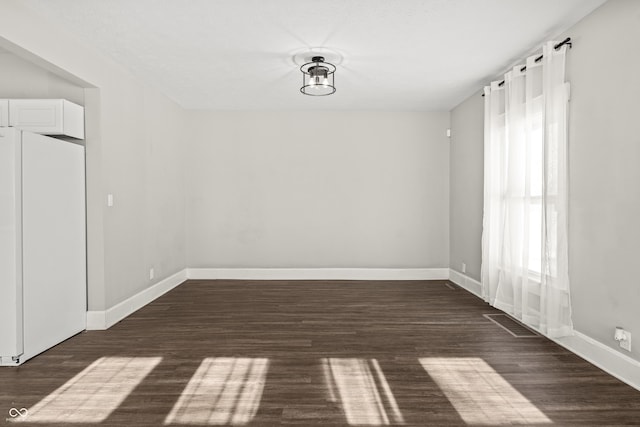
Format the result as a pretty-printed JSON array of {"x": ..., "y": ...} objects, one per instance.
[
  {"x": 96, "y": 320},
  {"x": 466, "y": 282},
  {"x": 604, "y": 357},
  {"x": 100, "y": 320},
  {"x": 318, "y": 273}
]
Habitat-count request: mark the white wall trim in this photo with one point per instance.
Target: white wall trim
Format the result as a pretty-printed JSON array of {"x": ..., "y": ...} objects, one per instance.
[
  {"x": 100, "y": 320},
  {"x": 104, "y": 319},
  {"x": 318, "y": 273},
  {"x": 466, "y": 282},
  {"x": 604, "y": 357},
  {"x": 96, "y": 320}
]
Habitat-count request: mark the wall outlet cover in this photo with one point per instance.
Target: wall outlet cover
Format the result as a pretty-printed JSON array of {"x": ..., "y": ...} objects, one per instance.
[{"x": 626, "y": 344}]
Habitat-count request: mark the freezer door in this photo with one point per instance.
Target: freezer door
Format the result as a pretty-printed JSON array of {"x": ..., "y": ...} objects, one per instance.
[
  {"x": 53, "y": 239},
  {"x": 10, "y": 247}
]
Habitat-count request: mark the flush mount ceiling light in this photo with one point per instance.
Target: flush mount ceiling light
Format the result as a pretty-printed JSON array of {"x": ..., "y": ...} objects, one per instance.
[{"x": 318, "y": 77}]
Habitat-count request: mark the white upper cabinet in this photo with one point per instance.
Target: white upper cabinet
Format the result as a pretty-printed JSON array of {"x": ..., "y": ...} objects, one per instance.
[
  {"x": 4, "y": 112},
  {"x": 46, "y": 116}
]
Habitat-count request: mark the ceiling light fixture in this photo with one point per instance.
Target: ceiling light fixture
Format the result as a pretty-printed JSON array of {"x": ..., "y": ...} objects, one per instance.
[{"x": 318, "y": 77}]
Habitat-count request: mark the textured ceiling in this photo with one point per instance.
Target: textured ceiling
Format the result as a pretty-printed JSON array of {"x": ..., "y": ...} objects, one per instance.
[{"x": 238, "y": 54}]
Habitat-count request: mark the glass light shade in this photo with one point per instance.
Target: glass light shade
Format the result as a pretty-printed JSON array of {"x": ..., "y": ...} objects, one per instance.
[{"x": 318, "y": 77}]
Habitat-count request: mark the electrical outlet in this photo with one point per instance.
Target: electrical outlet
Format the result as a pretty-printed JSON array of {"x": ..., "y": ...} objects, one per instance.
[
  {"x": 623, "y": 337},
  {"x": 626, "y": 344},
  {"x": 152, "y": 273},
  {"x": 464, "y": 267}
]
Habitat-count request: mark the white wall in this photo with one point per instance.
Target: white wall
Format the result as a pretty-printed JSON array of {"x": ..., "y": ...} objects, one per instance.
[
  {"x": 604, "y": 151},
  {"x": 145, "y": 172},
  {"x": 21, "y": 79},
  {"x": 604, "y": 209},
  {"x": 466, "y": 181},
  {"x": 135, "y": 145},
  {"x": 318, "y": 189}
]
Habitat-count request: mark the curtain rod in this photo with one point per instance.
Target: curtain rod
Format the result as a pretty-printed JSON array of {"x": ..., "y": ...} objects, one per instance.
[{"x": 566, "y": 41}]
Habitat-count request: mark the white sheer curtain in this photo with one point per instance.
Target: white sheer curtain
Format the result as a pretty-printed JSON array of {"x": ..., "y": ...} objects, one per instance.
[{"x": 524, "y": 240}]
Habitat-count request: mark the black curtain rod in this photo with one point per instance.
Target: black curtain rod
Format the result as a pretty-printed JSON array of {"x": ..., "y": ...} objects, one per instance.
[{"x": 566, "y": 41}]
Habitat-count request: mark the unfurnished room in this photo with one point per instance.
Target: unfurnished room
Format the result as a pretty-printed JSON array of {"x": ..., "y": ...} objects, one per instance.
[{"x": 319, "y": 213}]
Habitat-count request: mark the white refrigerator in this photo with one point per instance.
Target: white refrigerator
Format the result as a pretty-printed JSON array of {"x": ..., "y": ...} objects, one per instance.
[{"x": 42, "y": 243}]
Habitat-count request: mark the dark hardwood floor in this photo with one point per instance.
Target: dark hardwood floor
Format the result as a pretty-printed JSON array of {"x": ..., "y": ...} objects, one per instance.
[{"x": 313, "y": 353}]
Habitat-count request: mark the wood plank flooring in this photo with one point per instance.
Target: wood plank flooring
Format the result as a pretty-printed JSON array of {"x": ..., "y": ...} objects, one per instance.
[{"x": 330, "y": 353}]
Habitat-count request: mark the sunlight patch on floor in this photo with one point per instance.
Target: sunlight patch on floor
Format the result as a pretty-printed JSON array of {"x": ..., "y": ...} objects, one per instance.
[
  {"x": 361, "y": 388},
  {"x": 224, "y": 390},
  {"x": 479, "y": 394},
  {"x": 93, "y": 394}
]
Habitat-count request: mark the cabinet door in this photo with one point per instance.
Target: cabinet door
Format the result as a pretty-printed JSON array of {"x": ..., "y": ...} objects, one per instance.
[
  {"x": 37, "y": 115},
  {"x": 4, "y": 112},
  {"x": 47, "y": 116},
  {"x": 53, "y": 245}
]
